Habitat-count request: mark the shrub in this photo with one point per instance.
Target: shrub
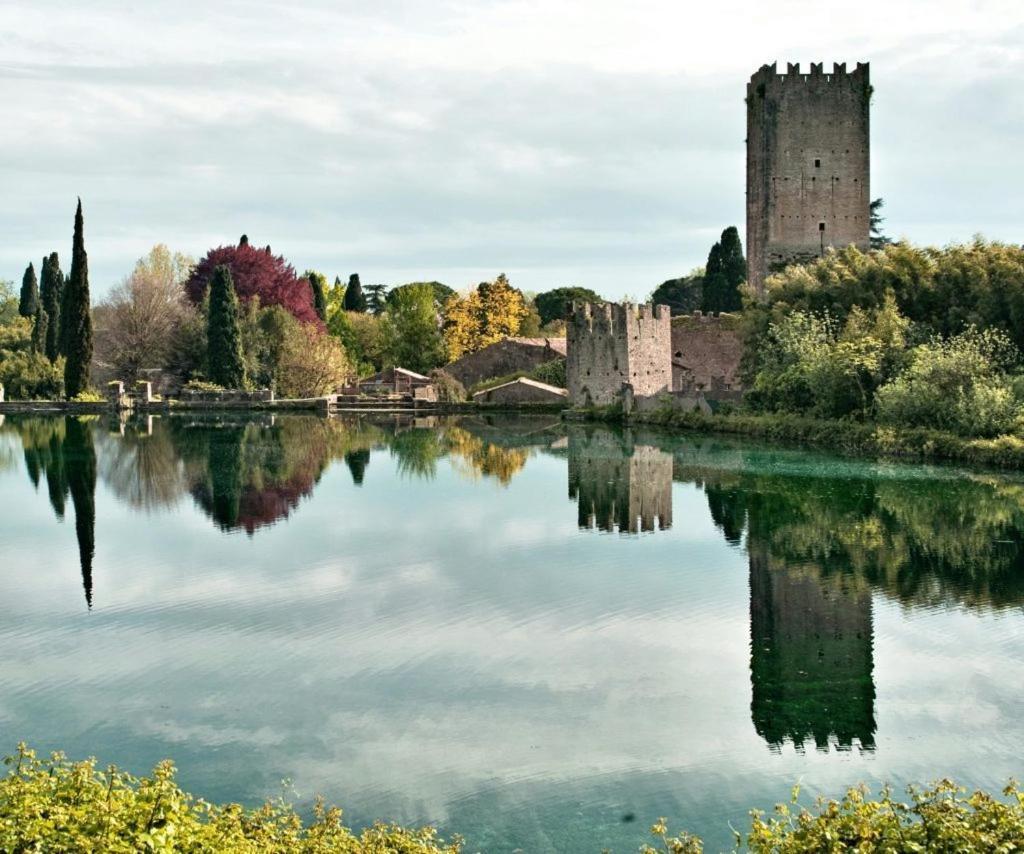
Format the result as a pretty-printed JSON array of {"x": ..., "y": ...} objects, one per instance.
[
  {"x": 57, "y": 805},
  {"x": 449, "y": 389},
  {"x": 31, "y": 376},
  {"x": 88, "y": 395},
  {"x": 552, "y": 373}
]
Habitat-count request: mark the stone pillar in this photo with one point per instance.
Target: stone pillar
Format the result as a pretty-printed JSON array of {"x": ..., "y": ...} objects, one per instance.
[
  {"x": 146, "y": 388},
  {"x": 1, "y": 392}
]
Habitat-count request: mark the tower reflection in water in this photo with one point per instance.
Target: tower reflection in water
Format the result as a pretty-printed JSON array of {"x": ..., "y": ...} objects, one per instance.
[
  {"x": 811, "y": 657},
  {"x": 617, "y": 483}
]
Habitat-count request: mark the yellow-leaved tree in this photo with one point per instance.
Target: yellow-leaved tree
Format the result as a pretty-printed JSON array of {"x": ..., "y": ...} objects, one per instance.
[{"x": 487, "y": 314}]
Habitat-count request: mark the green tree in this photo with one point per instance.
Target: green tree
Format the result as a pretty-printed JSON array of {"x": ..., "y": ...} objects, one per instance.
[
  {"x": 224, "y": 340},
  {"x": 29, "y": 301},
  {"x": 554, "y": 305},
  {"x": 442, "y": 293},
  {"x": 40, "y": 324},
  {"x": 355, "y": 299},
  {"x": 376, "y": 299},
  {"x": 726, "y": 270},
  {"x": 410, "y": 331},
  {"x": 683, "y": 295},
  {"x": 318, "y": 284},
  {"x": 77, "y": 316},
  {"x": 50, "y": 295},
  {"x": 878, "y": 240}
]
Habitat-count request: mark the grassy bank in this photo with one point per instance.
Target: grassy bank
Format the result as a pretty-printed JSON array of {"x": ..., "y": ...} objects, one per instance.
[
  {"x": 865, "y": 439},
  {"x": 58, "y": 805}
]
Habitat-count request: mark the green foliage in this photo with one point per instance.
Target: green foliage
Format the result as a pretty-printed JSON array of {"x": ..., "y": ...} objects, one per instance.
[
  {"x": 355, "y": 299},
  {"x": 442, "y": 293},
  {"x": 682, "y": 296},
  {"x": 554, "y": 305},
  {"x": 76, "y": 316},
  {"x": 58, "y": 805},
  {"x": 51, "y": 294},
  {"x": 31, "y": 376},
  {"x": 410, "y": 332},
  {"x": 8, "y": 303},
  {"x": 878, "y": 240},
  {"x": 224, "y": 343},
  {"x": 88, "y": 395},
  {"x": 202, "y": 385},
  {"x": 318, "y": 284},
  {"x": 962, "y": 385},
  {"x": 40, "y": 325},
  {"x": 376, "y": 298},
  {"x": 29, "y": 301},
  {"x": 726, "y": 270},
  {"x": 449, "y": 389}
]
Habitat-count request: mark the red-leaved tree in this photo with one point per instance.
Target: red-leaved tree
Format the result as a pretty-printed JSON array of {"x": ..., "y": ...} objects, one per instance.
[{"x": 256, "y": 273}]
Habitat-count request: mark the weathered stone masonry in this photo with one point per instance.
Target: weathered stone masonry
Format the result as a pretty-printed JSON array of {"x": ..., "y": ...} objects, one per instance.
[
  {"x": 612, "y": 346},
  {"x": 808, "y": 165}
]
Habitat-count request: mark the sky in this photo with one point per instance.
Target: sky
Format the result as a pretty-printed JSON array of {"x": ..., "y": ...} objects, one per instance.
[{"x": 563, "y": 142}]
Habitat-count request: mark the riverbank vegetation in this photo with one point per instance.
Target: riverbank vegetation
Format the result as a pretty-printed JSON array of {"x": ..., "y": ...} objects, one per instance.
[{"x": 55, "y": 804}]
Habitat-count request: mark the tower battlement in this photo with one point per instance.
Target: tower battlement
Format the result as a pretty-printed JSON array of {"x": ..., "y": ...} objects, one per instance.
[
  {"x": 609, "y": 346},
  {"x": 808, "y": 164}
]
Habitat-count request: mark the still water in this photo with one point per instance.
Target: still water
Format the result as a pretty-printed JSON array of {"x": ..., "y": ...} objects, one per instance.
[{"x": 539, "y": 635}]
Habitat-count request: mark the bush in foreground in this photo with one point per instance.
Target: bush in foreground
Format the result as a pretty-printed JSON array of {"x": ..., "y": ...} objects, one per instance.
[{"x": 59, "y": 805}]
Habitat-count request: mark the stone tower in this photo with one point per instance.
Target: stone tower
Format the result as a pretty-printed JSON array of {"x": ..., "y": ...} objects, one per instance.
[
  {"x": 611, "y": 346},
  {"x": 808, "y": 165}
]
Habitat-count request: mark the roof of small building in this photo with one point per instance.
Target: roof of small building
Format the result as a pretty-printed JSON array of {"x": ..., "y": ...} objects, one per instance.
[
  {"x": 390, "y": 372},
  {"x": 553, "y": 389}
]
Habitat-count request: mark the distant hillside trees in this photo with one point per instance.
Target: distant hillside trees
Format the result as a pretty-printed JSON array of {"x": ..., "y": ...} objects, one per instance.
[{"x": 256, "y": 274}]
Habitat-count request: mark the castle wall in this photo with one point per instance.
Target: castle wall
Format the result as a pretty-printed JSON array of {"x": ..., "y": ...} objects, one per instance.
[
  {"x": 610, "y": 345},
  {"x": 706, "y": 353},
  {"x": 808, "y": 165}
]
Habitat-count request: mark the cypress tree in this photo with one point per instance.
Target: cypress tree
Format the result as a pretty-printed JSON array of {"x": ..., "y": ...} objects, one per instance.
[
  {"x": 714, "y": 281},
  {"x": 29, "y": 293},
  {"x": 316, "y": 283},
  {"x": 734, "y": 269},
  {"x": 224, "y": 339},
  {"x": 39, "y": 327},
  {"x": 50, "y": 295},
  {"x": 77, "y": 318},
  {"x": 355, "y": 299},
  {"x": 244, "y": 240}
]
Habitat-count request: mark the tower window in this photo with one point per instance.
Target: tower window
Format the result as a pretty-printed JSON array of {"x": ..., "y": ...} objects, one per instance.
[
  {"x": 821, "y": 226},
  {"x": 817, "y": 162}
]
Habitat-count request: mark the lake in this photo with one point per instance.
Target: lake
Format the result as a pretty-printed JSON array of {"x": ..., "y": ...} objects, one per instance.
[{"x": 540, "y": 635}]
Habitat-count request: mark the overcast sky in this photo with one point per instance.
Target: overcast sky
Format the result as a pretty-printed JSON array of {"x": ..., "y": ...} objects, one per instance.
[{"x": 561, "y": 141}]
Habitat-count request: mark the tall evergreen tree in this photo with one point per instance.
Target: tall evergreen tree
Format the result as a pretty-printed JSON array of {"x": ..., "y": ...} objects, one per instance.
[
  {"x": 51, "y": 292},
  {"x": 224, "y": 339},
  {"x": 355, "y": 299},
  {"x": 29, "y": 293},
  {"x": 377, "y": 298},
  {"x": 77, "y": 325},
  {"x": 714, "y": 280},
  {"x": 726, "y": 271},
  {"x": 39, "y": 327},
  {"x": 317, "y": 284}
]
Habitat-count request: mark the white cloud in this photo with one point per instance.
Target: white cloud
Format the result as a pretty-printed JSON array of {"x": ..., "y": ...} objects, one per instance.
[{"x": 561, "y": 141}]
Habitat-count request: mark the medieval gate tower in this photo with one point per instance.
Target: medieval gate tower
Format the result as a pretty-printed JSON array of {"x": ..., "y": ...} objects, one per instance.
[{"x": 808, "y": 165}]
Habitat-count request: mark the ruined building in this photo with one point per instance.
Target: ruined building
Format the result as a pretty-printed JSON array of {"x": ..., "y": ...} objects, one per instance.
[
  {"x": 808, "y": 158},
  {"x": 611, "y": 346}
]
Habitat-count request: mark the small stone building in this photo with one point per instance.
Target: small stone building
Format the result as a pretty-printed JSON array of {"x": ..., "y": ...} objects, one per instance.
[
  {"x": 520, "y": 391},
  {"x": 393, "y": 381},
  {"x": 508, "y": 356}
]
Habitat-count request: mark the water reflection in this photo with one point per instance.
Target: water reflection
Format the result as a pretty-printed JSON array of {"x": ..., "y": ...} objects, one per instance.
[
  {"x": 617, "y": 483},
  {"x": 821, "y": 539}
]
